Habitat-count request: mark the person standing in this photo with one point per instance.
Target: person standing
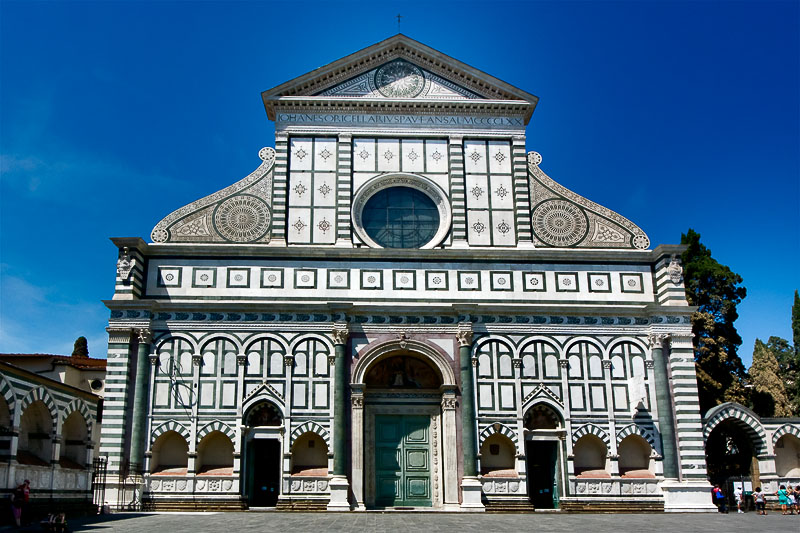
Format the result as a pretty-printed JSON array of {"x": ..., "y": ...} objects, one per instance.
[
  {"x": 738, "y": 495},
  {"x": 760, "y": 501},
  {"x": 783, "y": 498},
  {"x": 719, "y": 499},
  {"x": 20, "y": 500}
]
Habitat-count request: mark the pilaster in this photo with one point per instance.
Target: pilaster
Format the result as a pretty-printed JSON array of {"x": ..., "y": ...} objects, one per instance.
[
  {"x": 458, "y": 196},
  {"x": 344, "y": 191},
  {"x": 470, "y": 486},
  {"x": 339, "y": 485},
  {"x": 522, "y": 195}
]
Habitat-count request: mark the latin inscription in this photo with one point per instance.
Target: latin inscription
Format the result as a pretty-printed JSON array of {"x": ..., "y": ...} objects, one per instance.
[{"x": 289, "y": 119}]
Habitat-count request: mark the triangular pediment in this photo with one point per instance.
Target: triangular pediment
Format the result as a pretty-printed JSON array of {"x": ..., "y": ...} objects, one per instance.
[
  {"x": 400, "y": 78},
  {"x": 397, "y": 68}
]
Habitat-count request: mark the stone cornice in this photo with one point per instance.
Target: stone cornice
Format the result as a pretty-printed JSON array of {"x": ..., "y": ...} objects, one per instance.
[
  {"x": 397, "y": 46},
  {"x": 330, "y": 253}
]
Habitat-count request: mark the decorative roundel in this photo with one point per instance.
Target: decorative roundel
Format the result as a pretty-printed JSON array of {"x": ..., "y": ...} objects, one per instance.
[
  {"x": 534, "y": 158},
  {"x": 242, "y": 218},
  {"x": 159, "y": 235},
  {"x": 559, "y": 223},
  {"x": 641, "y": 241},
  {"x": 266, "y": 154},
  {"x": 399, "y": 79}
]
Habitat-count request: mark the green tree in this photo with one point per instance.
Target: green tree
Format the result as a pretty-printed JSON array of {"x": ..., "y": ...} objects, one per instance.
[
  {"x": 769, "y": 394},
  {"x": 716, "y": 290},
  {"x": 788, "y": 369},
  {"x": 81, "y": 348},
  {"x": 796, "y": 324}
]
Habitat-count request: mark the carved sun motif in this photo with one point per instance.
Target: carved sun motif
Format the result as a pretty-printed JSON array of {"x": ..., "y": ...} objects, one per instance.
[{"x": 399, "y": 79}]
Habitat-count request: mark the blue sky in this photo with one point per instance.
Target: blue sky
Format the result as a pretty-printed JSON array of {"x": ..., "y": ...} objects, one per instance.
[{"x": 113, "y": 114}]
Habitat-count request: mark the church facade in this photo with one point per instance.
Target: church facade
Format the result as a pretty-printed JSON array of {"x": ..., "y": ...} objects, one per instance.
[{"x": 398, "y": 308}]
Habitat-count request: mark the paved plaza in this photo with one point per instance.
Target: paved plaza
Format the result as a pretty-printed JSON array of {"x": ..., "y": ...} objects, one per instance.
[{"x": 434, "y": 522}]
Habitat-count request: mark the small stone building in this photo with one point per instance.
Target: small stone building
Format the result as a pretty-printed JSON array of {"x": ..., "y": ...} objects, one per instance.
[{"x": 48, "y": 431}]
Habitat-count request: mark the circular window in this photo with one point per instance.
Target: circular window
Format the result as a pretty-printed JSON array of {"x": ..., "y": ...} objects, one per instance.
[
  {"x": 400, "y": 217},
  {"x": 401, "y": 211}
]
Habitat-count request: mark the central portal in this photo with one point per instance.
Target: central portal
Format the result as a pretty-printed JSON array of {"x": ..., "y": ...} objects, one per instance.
[{"x": 402, "y": 461}]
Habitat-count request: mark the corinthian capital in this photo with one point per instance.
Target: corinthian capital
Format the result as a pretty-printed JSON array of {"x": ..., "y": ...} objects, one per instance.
[
  {"x": 340, "y": 333},
  {"x": 145, "y": 335},
  {"x": 657, "y": 340},
  {"x": 464, "y": 334}
]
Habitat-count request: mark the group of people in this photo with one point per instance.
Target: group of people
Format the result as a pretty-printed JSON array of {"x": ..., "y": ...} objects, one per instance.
[{"x": 788, "y": 499}]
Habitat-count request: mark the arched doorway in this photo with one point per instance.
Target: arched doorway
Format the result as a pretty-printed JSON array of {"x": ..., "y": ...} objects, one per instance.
[
  {"x": 544, "y": 432},
  {"x": 264, "y": 423},
  {"x": 730, "y": 453},
  {"x": 403, "y": 395}
]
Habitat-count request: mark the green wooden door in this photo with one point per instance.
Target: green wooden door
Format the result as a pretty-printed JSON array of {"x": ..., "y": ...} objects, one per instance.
[{"x": 402, "y": 461}]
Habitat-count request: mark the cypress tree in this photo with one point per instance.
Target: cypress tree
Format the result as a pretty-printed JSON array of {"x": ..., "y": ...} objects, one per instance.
[
  {"x": 81, "y": 348},
  {"x": 769, "y": 397}
]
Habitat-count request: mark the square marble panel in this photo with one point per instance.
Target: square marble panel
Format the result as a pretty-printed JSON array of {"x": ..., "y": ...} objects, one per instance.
[
  {"x": 477, "y": 191},
  {"x": 436, "y": 280},
  {"x": 533, "y": 281},
  {"x": 413, "y": 155},
  {"x": 324, "y": 230},
  {"x": 567, "y": 281},
  {"x": 325, "y": 154},
  {"x": 169, "y": 276},
  {"x": 475, "y": 157},
  {"x": 631, "y": 282},
  {"x": 479, "y": 230},
  {"x": 503, "y": 232},
  {"x": 300, "y": 153},
  {"x": 388, "y": 155},
  {"x": 338, "y": 279},
  {"x": 364, "y": 155},
  {"x": 599, "y": 282},
  {"x": 501, "y": 281},
  {"x": 324, "y": 193},
  {"x": 436, "y": 156},
  {"x": 469, "y": 281},
  {"x": 238, "y": 277},
  {"x": 271, "y": 278},
  {"x": 502, "y": 192},
  {"x": 405, "y": 279},
  {"x": 204, "y": 277},
  {"x": 298, "y": 229},
  {"x": 305, "y": 279},
  {"x": 372, "y": 279},
  {"x": 499, "y": 157},
  {"x": 300, "y": 192}
]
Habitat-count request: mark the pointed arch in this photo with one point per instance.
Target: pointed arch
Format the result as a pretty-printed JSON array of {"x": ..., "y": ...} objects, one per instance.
[
  {"x": 310, "y": 427},
  {"x": 748, "y": 420},
  {"x": 591, "y": 429},
  {"x": 216, "y": 425}
]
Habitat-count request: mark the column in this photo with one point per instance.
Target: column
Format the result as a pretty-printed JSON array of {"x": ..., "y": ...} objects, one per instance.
[
  {"x": 666, "y": 423},
  {"x": 197, "y": 363},
  {"x": 690, "y": 491},
  {"x": 449, "y": 455},
  {"x": 357, "y": 445},
  {"x": 339, "y": 485},
  {"x": 140, "y": 400},
  {"x": 470, "y": 486},
  {"x": 612, "y": 426}
]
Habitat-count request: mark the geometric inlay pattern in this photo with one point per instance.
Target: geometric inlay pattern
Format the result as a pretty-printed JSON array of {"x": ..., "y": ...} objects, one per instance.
[
  {"x": 559, "y": 222},
  {"x": 242, "y": 218}
]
